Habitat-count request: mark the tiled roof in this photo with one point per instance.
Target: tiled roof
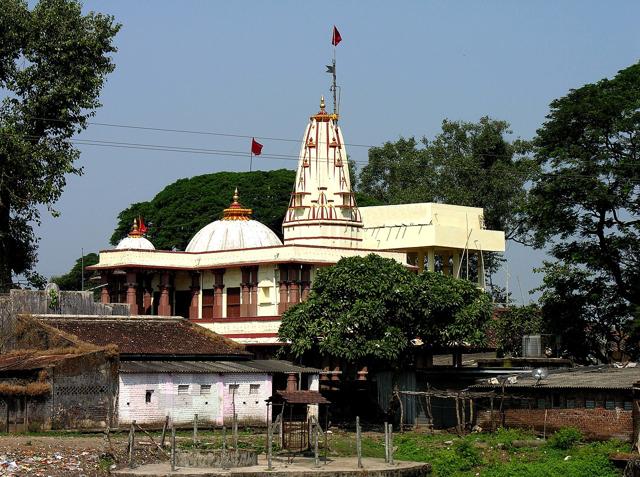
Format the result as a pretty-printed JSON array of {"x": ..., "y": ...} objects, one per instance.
[
  {"x": 587, "y": 377},
  {"x": 249, "y": 366},
  {"x": 148, "y": 336},
  {"x": 302, "y": 397}
]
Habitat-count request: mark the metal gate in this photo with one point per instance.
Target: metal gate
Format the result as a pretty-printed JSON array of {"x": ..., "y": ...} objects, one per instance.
[{"x": 295, "y": 435}]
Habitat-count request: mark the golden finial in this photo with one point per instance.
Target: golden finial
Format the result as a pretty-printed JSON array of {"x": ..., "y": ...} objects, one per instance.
[
  {"x": 135, "y": 232},
  {"x": 235, "y": 211},
  {"x": 322, "y": 102},
  {"x": 236, "y": 196}
]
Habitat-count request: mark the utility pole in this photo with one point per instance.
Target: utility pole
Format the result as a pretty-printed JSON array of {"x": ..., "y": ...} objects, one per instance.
[{"x": 82, "y": 269}]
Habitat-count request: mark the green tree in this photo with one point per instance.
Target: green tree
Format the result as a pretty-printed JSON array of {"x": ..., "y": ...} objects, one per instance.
[
  {"x": 72, "y": 280},
  {"x": 511, "y": 325},
  {"x": 370, "y": 308},
  {"x": 53, "y": 63},
  {"x": 178, "y": 211},
  {"x": 585, "y": 207}
]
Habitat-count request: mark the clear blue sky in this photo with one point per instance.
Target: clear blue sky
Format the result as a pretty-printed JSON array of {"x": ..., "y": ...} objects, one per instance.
[{"x": 257, "y": 68}]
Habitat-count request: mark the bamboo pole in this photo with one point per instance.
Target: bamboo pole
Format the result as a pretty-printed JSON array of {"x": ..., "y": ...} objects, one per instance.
[{"x": 173, "y": 448}]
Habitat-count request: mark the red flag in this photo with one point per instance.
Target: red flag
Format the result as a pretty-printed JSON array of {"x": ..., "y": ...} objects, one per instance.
[
  {"x": 256, "y": 147},
  {"x": 336, "y": 38},
  {"x": 142, "y": 228}
]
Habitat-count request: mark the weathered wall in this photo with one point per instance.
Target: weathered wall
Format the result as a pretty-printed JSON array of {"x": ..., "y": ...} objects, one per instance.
[
  {"x": 250, "y": 404},
  {"x": 65, "y": 303},
  {"x": 84, "y": 392},
  {"x": 598, "y": 423}
]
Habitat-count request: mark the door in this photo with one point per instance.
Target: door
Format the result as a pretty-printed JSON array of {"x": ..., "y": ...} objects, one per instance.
[
  {"x": 183, "y": 302},
  {"x": 233, "y": 302}
]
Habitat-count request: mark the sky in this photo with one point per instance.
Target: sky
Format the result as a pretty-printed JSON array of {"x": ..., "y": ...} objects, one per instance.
[{"x": 258, "y": 69}]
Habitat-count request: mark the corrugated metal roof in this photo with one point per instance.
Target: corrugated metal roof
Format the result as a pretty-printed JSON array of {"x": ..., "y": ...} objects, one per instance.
[
  {"x": 587, "y": 377},
  {"x": 300, "y": 397},
  {"x": 249, "y": 366}
]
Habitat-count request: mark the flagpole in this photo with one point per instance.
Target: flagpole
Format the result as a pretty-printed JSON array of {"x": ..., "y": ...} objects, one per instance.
[
  {"x": 251, "y": 159},
  {"x": 335, "y": 103}
]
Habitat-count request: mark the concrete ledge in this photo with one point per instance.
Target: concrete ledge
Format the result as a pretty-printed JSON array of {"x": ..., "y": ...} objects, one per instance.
[{"x": 301, "y": 467}]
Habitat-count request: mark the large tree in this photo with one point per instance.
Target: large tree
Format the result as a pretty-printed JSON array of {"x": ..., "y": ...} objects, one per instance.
[
  {"x": 585, "y": 205},
  {"x": 366, "y": 309},
  {"x": 179, "y": 210},
  {"x": 53, "y": 64}
]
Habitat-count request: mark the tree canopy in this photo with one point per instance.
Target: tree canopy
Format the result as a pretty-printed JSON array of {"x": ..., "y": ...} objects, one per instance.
[
  {"x": 370, "y": 308},
  {"x": 584, "y": 207},
  {"x": 72, "y": 280},
  {"x": 53, "y": 64},
  {"x": 179, "y": 210}
]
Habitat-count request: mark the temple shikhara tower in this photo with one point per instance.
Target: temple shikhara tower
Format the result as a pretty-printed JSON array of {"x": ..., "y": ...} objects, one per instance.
[{"x": 237, "y": 277}]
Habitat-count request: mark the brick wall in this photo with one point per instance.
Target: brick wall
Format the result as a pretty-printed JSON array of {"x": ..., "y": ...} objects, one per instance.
[
  {"x": 595, "y": 423},
  {"x": 181, "y": 395}
]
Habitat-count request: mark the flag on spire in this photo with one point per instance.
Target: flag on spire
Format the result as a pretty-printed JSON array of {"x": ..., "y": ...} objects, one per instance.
[
  {"x": 142, "y": 228},
  {"x": 256, "y": 147},
  {"x": 335, "y": 38}
]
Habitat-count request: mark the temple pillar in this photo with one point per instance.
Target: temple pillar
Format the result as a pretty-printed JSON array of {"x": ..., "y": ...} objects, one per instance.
[
  {"x": 194, "y": 306},
  {"x": 305, "y": 282},
  {"x": 132, "y": 283},
  {"x": 294, "y": 285},
  {"x": 431, "y": 260},
  {"x": 446, "y": 263},
  {"x": 456, "y": 264},
  {"x": 245, "y": 302},
  {"x": 147, "y": 296},
  {"x": 282, "y": 302},
  {"x": 253, "y": 308},
  {"x": 218, "y": 288},
  {"x": 164, "y": 306},
  {"x": 420, "y": 261},
  {"x": 104, "y": 292},
  {"x": 481, "y": 282}
]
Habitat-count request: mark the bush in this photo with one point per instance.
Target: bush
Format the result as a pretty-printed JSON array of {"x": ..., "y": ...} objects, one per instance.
[
  {"x": 468, "y": 454},
  {"x": 565, "y": 438}
]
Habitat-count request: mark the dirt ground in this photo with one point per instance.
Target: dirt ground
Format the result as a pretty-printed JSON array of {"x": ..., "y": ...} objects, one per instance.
[{"x": 75, "y": 455}]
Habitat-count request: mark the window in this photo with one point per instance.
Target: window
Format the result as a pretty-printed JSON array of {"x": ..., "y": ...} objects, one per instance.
[
  {"x": 183, "y": 389},
  {"x": 233, "y": 388},
  {"x": 589, "y": 404},
  {"x": 571, "y": 403},
  {"x": 205, "y": 389},
  {"x": 147, "y": 395},
  {"x": 254, "y": 388},
  {"x": 628, "y": 406},
  {"x": 609, "y": 405},
  {"x": 542, "y": 403},
  {"x": 233, "y": 302}
]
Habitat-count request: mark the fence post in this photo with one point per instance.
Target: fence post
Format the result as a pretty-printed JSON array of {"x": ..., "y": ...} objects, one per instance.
[
  {"x": 164, "y": 430},
  {"x": 386, "y": 442},
  {"x": 173, "y": 447},
  {"x": 195, "y": 428},
  {"x": 223, "y": 458},
  {"x": 358, "y": 442},
  {"x": 269, "y": 445},
  {"x": 391, "y": 444},
  {"x": 132, "y": 439},
  {"x": 235, "y": 438},
  {"x": 316, "y": 457}
]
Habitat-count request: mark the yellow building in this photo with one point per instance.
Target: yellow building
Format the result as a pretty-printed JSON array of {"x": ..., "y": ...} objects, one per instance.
[{"x": 236, "y": 276}]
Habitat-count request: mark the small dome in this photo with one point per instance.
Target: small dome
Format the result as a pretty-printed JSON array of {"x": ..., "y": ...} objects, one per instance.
[
  {"x": 135, "y": 239},
  {"x": 235, "y": 230}
]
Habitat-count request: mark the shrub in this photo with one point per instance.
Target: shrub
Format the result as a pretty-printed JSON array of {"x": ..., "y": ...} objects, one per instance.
[
  {"x": 468, "y": 454},
  {"x": 565, "y": 438}
]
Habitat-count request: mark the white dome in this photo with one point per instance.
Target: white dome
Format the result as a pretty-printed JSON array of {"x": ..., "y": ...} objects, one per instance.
[
  {"x": 135, "y": 243},
  {"x": 232, "y": 234}
]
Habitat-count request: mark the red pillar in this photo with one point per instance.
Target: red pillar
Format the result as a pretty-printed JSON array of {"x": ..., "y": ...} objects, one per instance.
[
  {"x": 305, "y": 283},
  {"x": 245, "y": 301},
  {"x": 147, "y": 296},
  {"x": 132, "y": 283},
  {"x": 253, "y": 309},
  {"x": 282, "y": 302},
  {"x": 194, "y": 307},
  {"x": 164, "y": 307},
  {"x": 218, "y": 285},
  {"x": 104, "y": 292},
  {"x": 294, "y": 285}
]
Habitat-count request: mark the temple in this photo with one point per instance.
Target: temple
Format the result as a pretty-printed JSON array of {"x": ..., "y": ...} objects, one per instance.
[{"x": 237, "y": 277}]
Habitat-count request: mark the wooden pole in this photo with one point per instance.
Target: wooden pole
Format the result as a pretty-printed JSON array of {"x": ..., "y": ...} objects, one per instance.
[
  {"x": 391, "y": 444},
  {"x": 153, "y": 441},
  {"x": 224, "y": 447},
  {"x": 491, "y": 414},
  {"x": 471, "y": 412},
  {"x": 544, "y": 429},
  {"x": 195, "y": 429},
  {"x": 132, "y": 438},
  {"x": 235, "y": 438},
  {"x": 173, "y": 448},
  {"x": 358, "y": 442},
  {"x": 164, "y": 430},
  {"x": 464, "y": 414},
  {"x": 457, "y": 414},
  {"x": 386, "y": 441},
  {"x": 270, "y": 445},
  {"x": 401, "y": 412},
  {"x": 316, "y": 436}
]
